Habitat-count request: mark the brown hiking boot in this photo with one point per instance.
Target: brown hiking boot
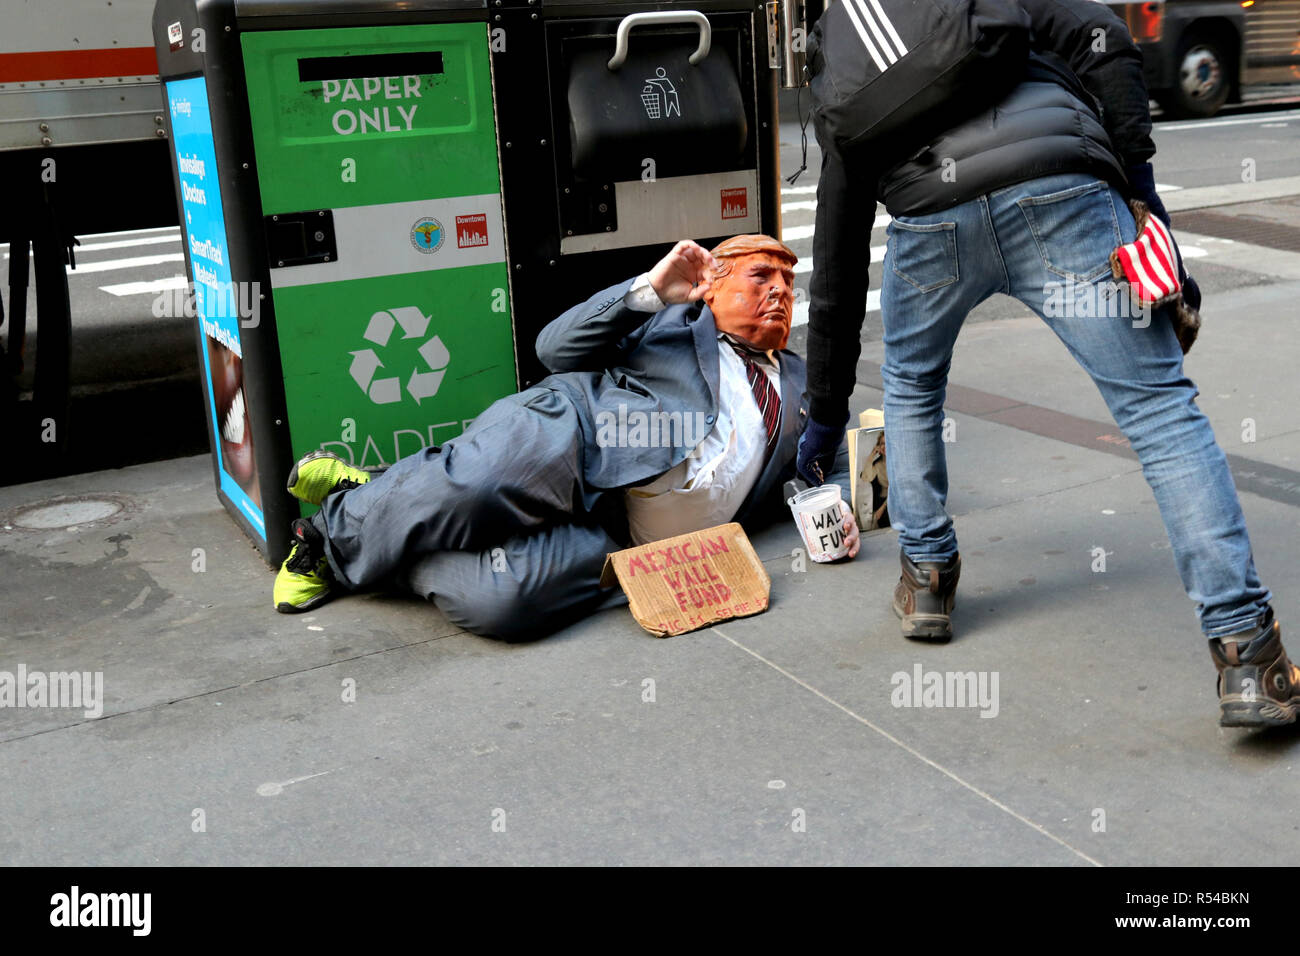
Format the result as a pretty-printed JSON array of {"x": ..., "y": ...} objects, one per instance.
[
  {"x": 925, "y": 596},
  {"x": 1258, "y": 684}
]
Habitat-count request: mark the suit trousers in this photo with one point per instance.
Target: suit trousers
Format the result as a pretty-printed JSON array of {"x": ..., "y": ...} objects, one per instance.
[
  {"x": 497, "y": 526},
  {"x": 524, "y": 588}
]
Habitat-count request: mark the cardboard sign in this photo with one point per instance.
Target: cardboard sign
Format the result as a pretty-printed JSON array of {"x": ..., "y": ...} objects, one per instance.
[{"x": 691, "y": 581}]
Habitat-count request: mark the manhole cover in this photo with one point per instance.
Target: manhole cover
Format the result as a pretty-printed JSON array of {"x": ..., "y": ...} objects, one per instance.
[{"x": 63, "y": 513}]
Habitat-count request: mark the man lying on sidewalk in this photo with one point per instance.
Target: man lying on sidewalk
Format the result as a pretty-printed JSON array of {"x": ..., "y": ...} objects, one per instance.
[{"x": 675, "y": 407}]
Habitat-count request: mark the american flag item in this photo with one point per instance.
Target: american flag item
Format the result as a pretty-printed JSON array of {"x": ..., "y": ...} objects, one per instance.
[{"x": 1149, "y": 263}]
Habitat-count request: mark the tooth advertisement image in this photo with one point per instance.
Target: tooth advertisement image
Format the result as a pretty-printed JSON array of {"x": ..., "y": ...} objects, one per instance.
[{"x": 216, "y": 299}]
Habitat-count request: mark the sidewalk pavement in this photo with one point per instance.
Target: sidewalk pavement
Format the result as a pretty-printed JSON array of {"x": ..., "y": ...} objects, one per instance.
[{"x": 226, "y": 738}]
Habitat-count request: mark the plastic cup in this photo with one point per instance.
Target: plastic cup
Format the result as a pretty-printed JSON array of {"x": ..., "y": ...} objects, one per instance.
[{"x": 820, "y": 520}]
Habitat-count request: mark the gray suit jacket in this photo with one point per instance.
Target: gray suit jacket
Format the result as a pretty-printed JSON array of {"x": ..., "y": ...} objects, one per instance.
[{"x": 627, "y": 365}]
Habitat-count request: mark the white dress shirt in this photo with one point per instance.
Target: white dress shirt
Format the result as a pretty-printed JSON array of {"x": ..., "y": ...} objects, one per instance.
[{"x": 709, "y": 487}]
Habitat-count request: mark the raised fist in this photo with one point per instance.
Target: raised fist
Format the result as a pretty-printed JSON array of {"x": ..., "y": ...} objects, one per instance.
[{"x": 684, "y": 275}]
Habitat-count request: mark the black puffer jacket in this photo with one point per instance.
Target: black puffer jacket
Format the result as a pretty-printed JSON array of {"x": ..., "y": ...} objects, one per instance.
[
  {"x": 1082, "y": 107},
  {"x": 1046, "y": 125}
]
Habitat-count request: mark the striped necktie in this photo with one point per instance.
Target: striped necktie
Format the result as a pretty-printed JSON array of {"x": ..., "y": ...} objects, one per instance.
[{"x": 769, "y": 402}]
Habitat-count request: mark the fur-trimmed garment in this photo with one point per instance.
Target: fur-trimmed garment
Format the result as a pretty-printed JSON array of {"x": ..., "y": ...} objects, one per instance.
[{"x": 1187, "y": 320}]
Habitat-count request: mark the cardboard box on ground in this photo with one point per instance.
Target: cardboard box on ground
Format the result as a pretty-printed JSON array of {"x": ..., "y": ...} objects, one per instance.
[
  {"x": 690, "y": 581},
  {"x": 869, "y": 479}
]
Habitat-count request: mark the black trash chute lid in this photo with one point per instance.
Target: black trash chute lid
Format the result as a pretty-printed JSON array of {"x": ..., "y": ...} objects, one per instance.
[{"x": 687, "y": 119}]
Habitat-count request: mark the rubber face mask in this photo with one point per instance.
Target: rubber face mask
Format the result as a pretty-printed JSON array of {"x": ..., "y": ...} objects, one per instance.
[{"x": 755, "y": 301}]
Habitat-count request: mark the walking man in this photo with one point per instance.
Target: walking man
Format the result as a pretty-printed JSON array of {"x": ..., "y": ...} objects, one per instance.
[{"x": 1028, "y": 199}]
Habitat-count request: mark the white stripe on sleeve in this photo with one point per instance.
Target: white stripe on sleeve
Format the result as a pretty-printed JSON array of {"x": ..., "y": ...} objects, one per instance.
[
  {"x": 880, "y": 37},
  {"x": 881, "y": 65},
  {"x": 898, "y": 41}
]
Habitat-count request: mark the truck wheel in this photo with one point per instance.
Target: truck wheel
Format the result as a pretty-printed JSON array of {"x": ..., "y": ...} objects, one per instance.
[{"x": 1204, "y": 77}]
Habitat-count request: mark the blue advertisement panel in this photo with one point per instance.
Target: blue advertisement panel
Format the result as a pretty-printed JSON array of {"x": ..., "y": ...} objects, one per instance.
[{"x": 219, "y": 304}]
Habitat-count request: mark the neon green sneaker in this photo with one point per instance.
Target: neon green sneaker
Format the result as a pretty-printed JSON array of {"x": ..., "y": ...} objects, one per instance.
[
  {"x": 319, "y": 474},
  {"x": 305, "y": 581}
]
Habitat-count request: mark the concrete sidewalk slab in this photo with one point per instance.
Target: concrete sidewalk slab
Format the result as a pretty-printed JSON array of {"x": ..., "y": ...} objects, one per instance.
[
  {"x": 1106, "y": 687},
  {"x": 554, "y": 741},
  {"x": 126, "y": 596},
  {"x": 1230, "y": 194},
  {"x": 1105, "y": 703},
  {"x": 771, "y": 739}
]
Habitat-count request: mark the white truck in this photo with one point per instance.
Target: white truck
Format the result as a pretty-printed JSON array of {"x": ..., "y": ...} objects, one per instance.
[
  {"x": 77, "y": 72},
  {"x": 82, "y": 150}
]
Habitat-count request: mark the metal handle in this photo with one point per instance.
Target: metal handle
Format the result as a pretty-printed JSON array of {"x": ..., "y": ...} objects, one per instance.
[
  {"x": 792, "y": 60},
  {"x": 661, "y": 16}
]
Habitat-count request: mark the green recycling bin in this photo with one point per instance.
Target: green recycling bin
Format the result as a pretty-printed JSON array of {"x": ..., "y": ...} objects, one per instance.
[
  {"x": 352, "y": 291},
  {"x": 390, "y": 130}
]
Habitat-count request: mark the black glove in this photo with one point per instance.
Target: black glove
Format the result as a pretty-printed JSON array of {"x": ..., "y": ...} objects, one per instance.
[
  {"x": 818, "y": 446},
  {"x": 1143, "y": 180}
]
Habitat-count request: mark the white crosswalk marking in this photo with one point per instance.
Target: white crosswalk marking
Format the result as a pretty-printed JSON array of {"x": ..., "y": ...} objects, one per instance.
[
  {"x": 877, "y": 255},
  {"x": 1207, "y": 124},
  {"x": 796, "y": 233},
  {"x": 127, "y": 243},
  {"x": 121, "y": 244},
  {"x": 126, "y": 239},
  {"x": 132, "y": 263},
  {"x": 150, "y": 287},
  {"x": 174, "y": 230},
  {"x": 800, "y": 233},
  {"x": 173, "y": 233},
  {"x": 801, "y": 308}
]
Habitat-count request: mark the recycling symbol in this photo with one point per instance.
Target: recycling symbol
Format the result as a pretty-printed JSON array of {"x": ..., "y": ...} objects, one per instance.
[{"x": 421, "y": 384}]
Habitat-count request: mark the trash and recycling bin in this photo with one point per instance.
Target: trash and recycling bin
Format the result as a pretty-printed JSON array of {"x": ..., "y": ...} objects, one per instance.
[{"x": 384, "y": 201}]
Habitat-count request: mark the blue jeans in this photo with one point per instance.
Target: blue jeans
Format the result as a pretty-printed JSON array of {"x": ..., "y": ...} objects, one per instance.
[{"x": 1046, "y": 242}]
